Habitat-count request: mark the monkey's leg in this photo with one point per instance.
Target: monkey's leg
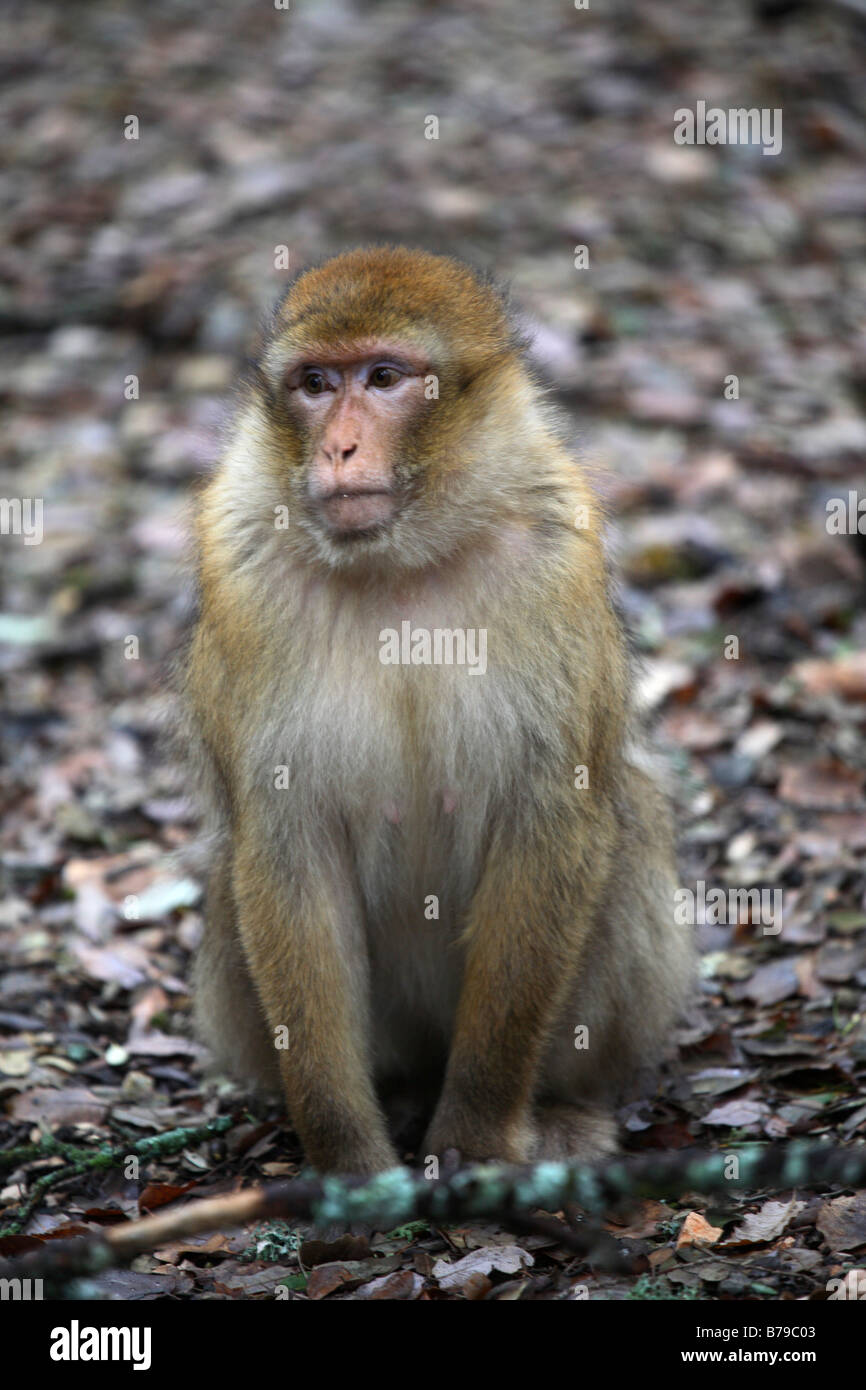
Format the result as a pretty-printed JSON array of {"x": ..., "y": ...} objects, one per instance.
[
  {"x": 306, "y": 955},
  {"x": 523, "y": 942},
  {"x": 228, "y": 1012},
  {"x": 619, "y": 1017}
]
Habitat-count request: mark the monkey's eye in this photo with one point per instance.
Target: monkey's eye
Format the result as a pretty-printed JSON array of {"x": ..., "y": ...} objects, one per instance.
[
  {"x": 314, "y": 383},
  {"x": 383, "y": 377}
]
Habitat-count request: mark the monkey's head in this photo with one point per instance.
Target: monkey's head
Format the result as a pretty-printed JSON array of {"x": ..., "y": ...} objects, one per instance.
[{"x": 384, "y": 378}]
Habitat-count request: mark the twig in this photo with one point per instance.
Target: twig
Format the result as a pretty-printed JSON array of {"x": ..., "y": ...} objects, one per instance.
[
  {"x": 492, "y": 1191},
  {"x": 82, "y": 1160}
]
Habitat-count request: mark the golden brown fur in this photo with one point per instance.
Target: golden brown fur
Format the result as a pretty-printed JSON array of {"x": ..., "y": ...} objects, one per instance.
[{"x": 555, "y": 902}]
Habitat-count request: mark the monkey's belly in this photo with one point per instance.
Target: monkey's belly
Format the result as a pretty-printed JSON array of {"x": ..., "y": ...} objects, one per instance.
[
  {"x": 416, "y": 883},
  {"x": 414, "y": 993}
]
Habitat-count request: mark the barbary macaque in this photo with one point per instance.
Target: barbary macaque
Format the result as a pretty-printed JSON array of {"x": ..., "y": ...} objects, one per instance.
[{"x": 438, "y": 851}]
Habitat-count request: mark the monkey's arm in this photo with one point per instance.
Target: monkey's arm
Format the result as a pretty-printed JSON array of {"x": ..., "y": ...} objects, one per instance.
[
  {"x": 292, "y": 910},
  {"x": 306, "y": 958}
]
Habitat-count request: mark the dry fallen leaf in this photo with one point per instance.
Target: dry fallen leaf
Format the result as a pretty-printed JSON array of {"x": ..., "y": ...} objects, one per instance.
[
  {"x": 845, "y": 677},
  {"x": 16, "y": 1061},
  {"x": 241, "y": 1284},
  {"x": 642, "y": 1220},
  {"x": 696, "y": 1230},
  {"x": 764, "y": 1225},
  {"x": 506, "y": 1259},
  {"x": 159, "y": 1194},
  {"x": 162, "y": 1045},
  {"x": 737, "y": 1112},
  {"x": 759, "y": 739},
  {"x": 825, "y": 785},
  {"x": 348, "y": 1274},
  {"x": 772, "y": 982},
  {"x": 661, "y": 679},
  {"x": 696, "y": 729},
  {"x": 405, "y": 1284},
  {"x": 123, "y": 963},
  {"x": 323, "y": 1252},
  {"x": 842, "y": 1222},
  {"x": 73, "y": 1106}
]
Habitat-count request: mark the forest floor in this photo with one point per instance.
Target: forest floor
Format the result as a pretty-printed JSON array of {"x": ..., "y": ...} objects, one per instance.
[{"x": 152, "y": 258}]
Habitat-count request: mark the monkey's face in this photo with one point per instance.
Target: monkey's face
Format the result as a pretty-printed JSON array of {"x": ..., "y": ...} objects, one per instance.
[
  {"x": 356, "y": 413},
  {"x": 379, "y": 381}
]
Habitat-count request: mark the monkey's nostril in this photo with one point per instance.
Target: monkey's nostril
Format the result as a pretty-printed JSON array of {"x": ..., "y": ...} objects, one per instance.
[{"x": 347, "y": 453}]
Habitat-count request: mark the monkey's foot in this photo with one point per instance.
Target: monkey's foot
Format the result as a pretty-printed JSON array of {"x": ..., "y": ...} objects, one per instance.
[{"x": 584, "y": 1132}]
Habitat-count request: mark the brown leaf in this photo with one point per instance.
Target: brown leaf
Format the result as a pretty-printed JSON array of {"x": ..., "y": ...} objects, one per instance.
[
  {"x": 348, "y": 1274},
  {"x": 326, "y": 1278},
  {"x": 842, "y": 1222},
  {"x": 845, "y": 677},
  {"x": 246, "y": 1284},
  {"x": 850, "y": 829},
  {"x": 104, "y": 1216},
  {"x": 476, "y": 1286},
  {"x": 826, "y": 785},
  {"x": 73, "y": 1106},
  {"x": 19, "y": 1245},
  {"x": 696, "y": 1230},
  {"x": 159, "y": 1194},
  {"x": 772, "y": 982},
  {"x": 839, "y": 961},
  {"x": 405, "y": 1284},
  {"x": 696, "y": 729},
  {"x": 196, "y": 1245},
  {"x": 322, "y": 1252},
  {"x": 151, "y": 1002},
  {"x": 643, "y": 1218}
]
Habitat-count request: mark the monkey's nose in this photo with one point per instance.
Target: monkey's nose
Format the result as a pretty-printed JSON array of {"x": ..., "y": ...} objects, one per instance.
[{"x": 337, "y": 454}]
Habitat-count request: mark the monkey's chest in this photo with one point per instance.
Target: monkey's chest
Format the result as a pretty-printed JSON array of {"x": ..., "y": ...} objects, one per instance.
[
  {"x": 413, "y": 763},
  {"x": 417, "y": 803}
]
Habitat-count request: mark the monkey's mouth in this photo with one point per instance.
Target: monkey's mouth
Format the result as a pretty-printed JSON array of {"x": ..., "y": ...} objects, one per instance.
[{"x": 352, "y": 513}]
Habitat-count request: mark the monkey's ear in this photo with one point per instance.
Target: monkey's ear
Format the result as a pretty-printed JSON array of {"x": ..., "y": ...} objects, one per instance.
[
  {"x": 253, "y": 375},
  {"x": 520, "y": 334},
  {"x": 266, "y": 330},
  {"x": 256, "y": 379},
  {"x": 270, "y": 324}
]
